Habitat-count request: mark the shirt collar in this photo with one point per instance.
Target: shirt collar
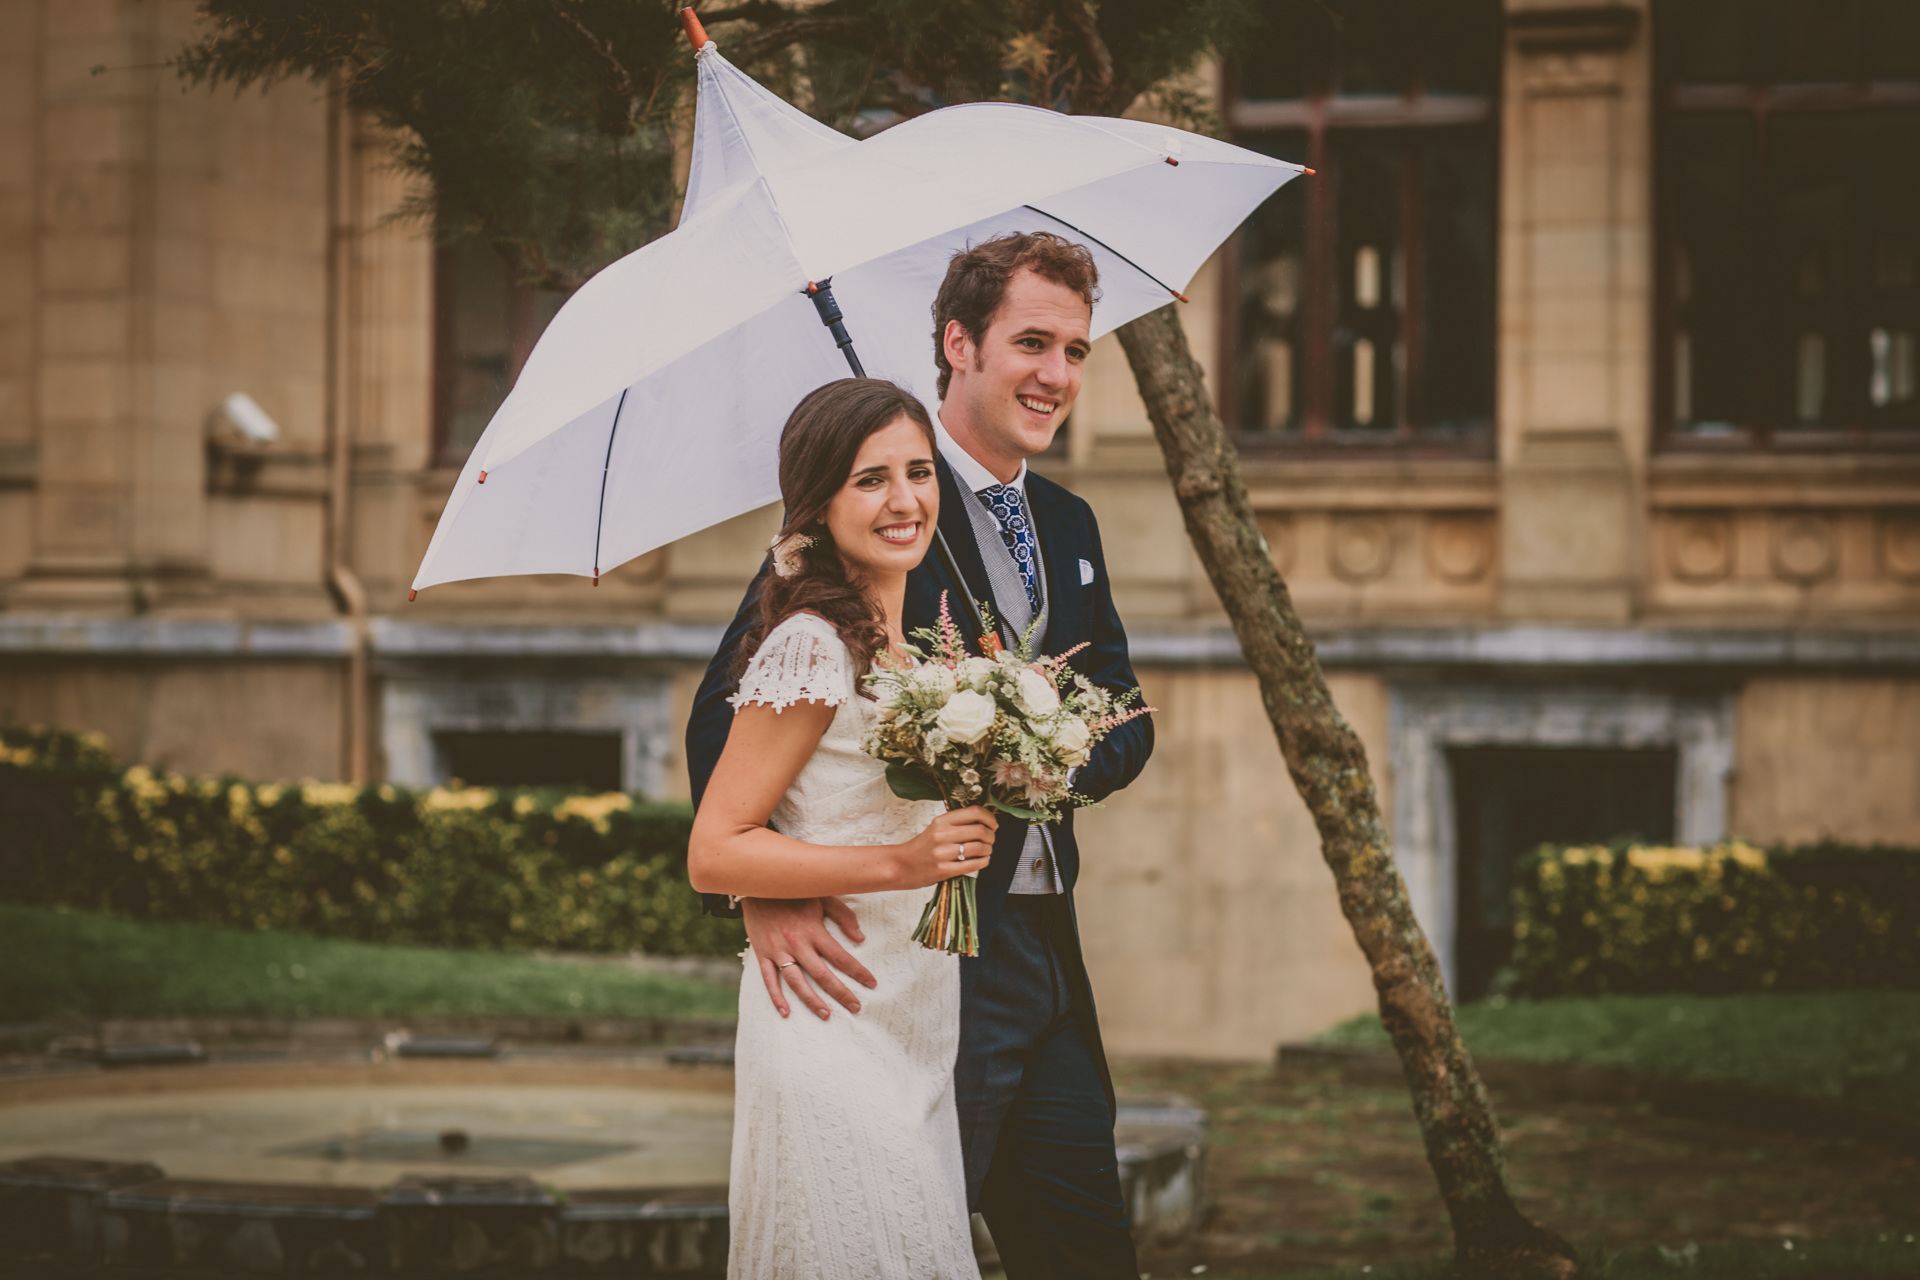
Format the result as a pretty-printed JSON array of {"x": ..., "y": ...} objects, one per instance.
[{"x": 967, "y": 468}]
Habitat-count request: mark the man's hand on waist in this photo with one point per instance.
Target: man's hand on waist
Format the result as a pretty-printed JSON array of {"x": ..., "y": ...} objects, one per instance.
[{"x": 791, "y": 942}]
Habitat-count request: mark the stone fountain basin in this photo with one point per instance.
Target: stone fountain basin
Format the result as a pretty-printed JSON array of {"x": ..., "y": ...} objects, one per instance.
[{"x": 563, "y": 1163}]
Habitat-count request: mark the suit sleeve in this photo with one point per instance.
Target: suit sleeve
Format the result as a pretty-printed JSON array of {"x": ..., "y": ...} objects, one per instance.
[
  {"x": 712, "y": 718},
  {"x": 1119, "y": 757}
]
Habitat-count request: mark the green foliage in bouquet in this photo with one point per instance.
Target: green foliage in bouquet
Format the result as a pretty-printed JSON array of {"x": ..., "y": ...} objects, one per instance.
[
  {"x": 1717, "y": 920},
  {"x": 468, "y": 868},
  {"x": 1003, "y": 730}
]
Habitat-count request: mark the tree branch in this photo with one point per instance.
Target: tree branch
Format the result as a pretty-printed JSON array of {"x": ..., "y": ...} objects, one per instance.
[
  {"x": 618, "y": 99},
  {"x": 1095, "y": 84},
  {"x": 795, "y": 31}
]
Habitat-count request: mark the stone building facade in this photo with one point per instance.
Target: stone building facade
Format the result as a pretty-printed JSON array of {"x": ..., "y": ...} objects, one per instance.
[{"x": 1576, "y": 393}]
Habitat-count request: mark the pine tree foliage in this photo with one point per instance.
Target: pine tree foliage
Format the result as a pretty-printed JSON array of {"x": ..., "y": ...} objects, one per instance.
[{"x": 545, "y": 128}]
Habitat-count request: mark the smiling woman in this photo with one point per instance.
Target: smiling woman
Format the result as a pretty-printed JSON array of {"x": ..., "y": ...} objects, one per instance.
[
  {"x": 856, "y": 456},
  {"x": 797, "y": 810}
]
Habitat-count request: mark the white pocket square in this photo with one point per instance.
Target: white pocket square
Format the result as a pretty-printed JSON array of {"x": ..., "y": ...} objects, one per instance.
[{"x": 1086, "y": 573}]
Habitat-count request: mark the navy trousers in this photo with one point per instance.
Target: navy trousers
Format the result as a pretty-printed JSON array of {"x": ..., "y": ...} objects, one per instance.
[{"x": 1035, "y": 1122}]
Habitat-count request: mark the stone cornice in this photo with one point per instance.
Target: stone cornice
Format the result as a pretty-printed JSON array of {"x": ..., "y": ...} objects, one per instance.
[{"x": 1490, "y": 647}]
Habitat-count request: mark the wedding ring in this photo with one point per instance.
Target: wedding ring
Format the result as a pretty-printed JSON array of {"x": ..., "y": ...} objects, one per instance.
[{"x": 788, "y": 965}]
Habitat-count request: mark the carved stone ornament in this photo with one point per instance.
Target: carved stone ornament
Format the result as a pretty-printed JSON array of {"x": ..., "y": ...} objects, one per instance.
[
  {"x": 1277, "y": 529},
  {"x": 1700, "y": 548},
  {"x": 1360, "y": 549},
  {"x": 1900, "y": 545},
  {"x": 1459, "y": 548},
  {"x": 1805, "y": 549}
]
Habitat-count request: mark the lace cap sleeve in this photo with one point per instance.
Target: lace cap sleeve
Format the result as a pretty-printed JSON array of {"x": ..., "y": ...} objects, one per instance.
[{"x": 801, "y": 660}]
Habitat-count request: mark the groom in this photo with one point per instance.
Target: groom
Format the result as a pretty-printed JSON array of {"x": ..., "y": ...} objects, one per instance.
[{"x": 1011, "y": 328}]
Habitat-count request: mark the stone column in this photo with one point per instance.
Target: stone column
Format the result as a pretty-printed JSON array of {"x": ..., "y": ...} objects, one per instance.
[
  {"x": 1576, "y": 270},
  {"x": 19, "y": 161},
  {"x": 94, "y": 181}
]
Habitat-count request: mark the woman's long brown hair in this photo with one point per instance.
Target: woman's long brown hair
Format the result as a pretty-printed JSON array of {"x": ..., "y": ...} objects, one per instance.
[{"x": 818, "y": 448}]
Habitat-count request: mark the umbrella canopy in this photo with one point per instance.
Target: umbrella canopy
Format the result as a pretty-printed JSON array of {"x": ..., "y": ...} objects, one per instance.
[{"x": 652, "y": 406}]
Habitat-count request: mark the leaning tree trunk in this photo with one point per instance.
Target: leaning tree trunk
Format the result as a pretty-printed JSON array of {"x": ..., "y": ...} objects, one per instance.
[{"x": 1329, "y": 767}]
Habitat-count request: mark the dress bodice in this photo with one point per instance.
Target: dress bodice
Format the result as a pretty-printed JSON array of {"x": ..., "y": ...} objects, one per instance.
[{"x": 841, "y": 795}]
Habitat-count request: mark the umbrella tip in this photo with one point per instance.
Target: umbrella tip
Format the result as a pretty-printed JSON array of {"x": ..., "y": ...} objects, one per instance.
[
  {"x": 696, "y": 34},
  {"x": 596, "y": 577},
  {"x": 411, "y": 595},
  {"x": 1183, "y": 297},
  {"x": 1307, "y": 171},
  {"x": 483, "y": 477}
]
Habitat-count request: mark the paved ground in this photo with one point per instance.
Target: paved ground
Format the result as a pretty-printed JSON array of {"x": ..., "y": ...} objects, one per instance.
[{"x": 1308, "y": 1171}]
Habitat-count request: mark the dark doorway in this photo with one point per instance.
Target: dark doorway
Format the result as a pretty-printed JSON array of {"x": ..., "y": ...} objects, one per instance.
[
  {"x": 1509, "y": 801},
  {"x": 590, "y": 760}
]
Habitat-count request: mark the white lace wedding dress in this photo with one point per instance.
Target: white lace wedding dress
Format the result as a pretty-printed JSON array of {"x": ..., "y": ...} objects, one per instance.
[{"x": 846, "y": 1144}]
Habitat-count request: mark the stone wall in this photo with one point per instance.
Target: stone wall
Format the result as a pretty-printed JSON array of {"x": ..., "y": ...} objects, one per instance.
[
  {"x": 1829, "y": 758},
  {"x": 1210, "y": 922},
  {"x": 254, "y": 718}
]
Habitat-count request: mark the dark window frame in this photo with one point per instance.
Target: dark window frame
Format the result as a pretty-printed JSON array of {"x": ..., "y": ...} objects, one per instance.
[
  {"x": 1761, "y": 102},
  {"x": 524, "y": 326},
  {"x": 1321, "y": 112}
]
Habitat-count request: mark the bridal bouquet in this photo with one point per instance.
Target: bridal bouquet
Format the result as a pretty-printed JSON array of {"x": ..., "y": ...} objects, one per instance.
[{"x": 1001, "y": 731}]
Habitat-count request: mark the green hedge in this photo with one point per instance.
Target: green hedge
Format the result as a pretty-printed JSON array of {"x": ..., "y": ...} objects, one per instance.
[
  {"x": 468, "y": 868},
  {"x": 1724, "y": 919}
]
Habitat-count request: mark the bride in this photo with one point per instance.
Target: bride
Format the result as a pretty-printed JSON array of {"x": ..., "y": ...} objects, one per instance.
[{"x": 846, "y": 1145}]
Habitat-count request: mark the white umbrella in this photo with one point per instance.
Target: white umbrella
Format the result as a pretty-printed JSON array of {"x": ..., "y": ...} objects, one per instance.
[{"x": 651, "y": 408}]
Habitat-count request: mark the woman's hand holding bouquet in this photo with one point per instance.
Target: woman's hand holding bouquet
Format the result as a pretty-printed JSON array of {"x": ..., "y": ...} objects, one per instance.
[{"x": 1003, "y": 731}]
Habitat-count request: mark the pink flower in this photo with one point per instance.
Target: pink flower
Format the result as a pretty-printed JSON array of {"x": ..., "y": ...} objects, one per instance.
[{"x": 1011, "y": 775}]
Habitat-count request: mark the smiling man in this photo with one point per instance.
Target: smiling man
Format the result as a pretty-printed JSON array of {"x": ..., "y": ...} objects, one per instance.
[{"x": 1011, "y": 334}]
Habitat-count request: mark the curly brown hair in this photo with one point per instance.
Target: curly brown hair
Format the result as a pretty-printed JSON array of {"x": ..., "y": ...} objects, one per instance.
[
  {"x": 818, "y": 448},
  {"x": 976, "y": 283}
]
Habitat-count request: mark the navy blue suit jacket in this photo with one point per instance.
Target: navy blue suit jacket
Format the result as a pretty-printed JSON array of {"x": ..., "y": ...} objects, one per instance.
[{"x": 1079, "y": 612}]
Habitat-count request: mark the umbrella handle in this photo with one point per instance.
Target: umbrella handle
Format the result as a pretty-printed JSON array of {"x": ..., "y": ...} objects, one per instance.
[
  {"x": 696, "y": 34},
  {"x": 822, "y": 294}
]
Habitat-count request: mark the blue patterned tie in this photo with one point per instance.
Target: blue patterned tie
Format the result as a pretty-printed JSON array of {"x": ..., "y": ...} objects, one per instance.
[{"x": 1009, "y": 507}]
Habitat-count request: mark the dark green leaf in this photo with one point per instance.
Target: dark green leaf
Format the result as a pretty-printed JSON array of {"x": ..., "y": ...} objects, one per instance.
[{"x": 910, "y": 783}]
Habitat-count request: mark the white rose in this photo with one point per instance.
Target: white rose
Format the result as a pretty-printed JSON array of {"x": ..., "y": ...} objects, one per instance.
[
  {"x": 967, "y": 717},
  {"x": 1071, "y": 735},
  {"x": 1036, "y": 693},
  {"x": 938, "y": 680},
  {"x": 974, "y": 672}
]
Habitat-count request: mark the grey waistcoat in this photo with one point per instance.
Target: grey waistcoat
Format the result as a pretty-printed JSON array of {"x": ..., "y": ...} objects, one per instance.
[{"x": 1039, "y": 870}]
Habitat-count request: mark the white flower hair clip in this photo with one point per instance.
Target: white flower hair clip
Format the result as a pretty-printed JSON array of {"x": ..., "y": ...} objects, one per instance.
[{"x": 786, "y": 553}]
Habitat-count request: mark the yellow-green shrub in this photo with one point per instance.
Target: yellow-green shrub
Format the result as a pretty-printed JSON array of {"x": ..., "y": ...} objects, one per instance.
[
  {"x": 470, "y": 868},
  {"x": 1721, "y": 919}
]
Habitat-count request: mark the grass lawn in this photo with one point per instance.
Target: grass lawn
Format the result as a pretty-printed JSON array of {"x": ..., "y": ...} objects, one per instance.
[
  {"x": 1887, "y": 1254},
  {"x": 1861, "y": 1046},
  {"x": 1310, "y": 1174},
  {"x": 60, "y": 964}
]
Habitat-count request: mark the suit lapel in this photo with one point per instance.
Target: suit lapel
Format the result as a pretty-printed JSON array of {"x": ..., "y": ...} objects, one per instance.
[
  {"x": 1060, "y": 561},
  {"x": 966, "y": 552},
  {"x": 926, "y": 583}
]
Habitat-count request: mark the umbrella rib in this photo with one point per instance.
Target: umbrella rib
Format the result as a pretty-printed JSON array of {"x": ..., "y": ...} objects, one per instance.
[
  {"x": 600, "y": 517},
  {"x": 1110, "y": 249}
]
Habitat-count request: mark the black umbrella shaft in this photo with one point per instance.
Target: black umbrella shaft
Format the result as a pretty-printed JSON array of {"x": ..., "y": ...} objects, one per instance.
[{"x": 822, "y": 295}]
